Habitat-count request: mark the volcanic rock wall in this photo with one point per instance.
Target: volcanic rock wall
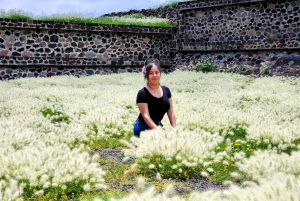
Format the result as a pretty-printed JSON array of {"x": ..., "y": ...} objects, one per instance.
[
  {"x": 239, "y": 33},
  {"x": 235, "y": 34},
  {"x": 37, "y": 48}
]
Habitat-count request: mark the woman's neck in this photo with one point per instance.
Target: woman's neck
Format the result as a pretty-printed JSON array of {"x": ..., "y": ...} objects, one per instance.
[{"x": 153, "y": 86}]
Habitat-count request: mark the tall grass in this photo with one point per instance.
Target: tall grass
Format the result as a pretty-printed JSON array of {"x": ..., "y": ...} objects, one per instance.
[
  {"x": 232, "y": 129},
  {"x": 134, "y": 19},
  {"x": 172, "y": 3}
]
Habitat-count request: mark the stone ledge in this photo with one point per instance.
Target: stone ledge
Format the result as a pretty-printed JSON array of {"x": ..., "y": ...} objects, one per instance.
[
  {"x": 252, "y": 45},
  {"x": 196, "y": 5},
  {"x": 78, "y": 61},
  {"x": 18, "y": 72}
]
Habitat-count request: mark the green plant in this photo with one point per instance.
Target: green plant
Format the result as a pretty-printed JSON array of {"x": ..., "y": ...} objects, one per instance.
[
  {"x": 109, "y": 137},
  {"x": 16, "y": 15},
  {"x": 229, "y": 70},
  {"x": 266, "y": 68},
  {"x": 168, "y": 168},
  {"x": 222, "y": 170},
  {"x": 241, "y": 68},
  {"x": 171, "y": 3},
  {"x": 56, "y": 116},
  {"x": 133, "y": 19},
  {"x": 68, "y": 191},
  {"x": 205, "y": 66},
  {"x": 251, "y": 72},
  {"x": 235, "y": 142}
]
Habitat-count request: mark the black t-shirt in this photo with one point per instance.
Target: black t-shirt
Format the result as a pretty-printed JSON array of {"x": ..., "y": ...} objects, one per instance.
[{"x": 157, "y": 106}]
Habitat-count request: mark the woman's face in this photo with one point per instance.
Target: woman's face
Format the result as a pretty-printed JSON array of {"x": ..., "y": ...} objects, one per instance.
[{"x": 154, "y": 75}]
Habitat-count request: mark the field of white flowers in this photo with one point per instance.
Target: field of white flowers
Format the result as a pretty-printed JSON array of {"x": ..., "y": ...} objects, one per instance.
[{"x": 242, "y": 131}]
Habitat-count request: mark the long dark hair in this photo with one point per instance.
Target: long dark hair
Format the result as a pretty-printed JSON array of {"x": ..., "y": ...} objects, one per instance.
[{"x": 147, "y": 68}]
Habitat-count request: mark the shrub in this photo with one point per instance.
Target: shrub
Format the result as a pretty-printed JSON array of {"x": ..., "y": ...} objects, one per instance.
[
  {"x": 205, "y": 66},
  {"x": 241, "y": 68},
  {"x": 229, "y": 70}
]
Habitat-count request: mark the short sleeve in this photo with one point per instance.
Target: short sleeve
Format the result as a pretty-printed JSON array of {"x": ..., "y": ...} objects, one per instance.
[
  {"x": 141, "y": 96},
  {"x": 167, "y": 90}
]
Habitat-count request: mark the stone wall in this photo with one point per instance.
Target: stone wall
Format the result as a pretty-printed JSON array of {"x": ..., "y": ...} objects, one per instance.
[
  {"x": 46, "y": 46},
  {"x": 279, "y": 62},
  {"x": 235, "y": 33},
  {"x": 241, "y": 33},
  {"x": 253, "y": 26}
]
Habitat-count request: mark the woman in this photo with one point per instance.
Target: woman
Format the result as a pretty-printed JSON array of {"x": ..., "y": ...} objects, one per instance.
[{"x": 153, "y": 101}]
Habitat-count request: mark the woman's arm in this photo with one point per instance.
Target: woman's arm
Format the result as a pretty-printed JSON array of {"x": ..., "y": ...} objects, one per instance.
[
  {"x": 143, "y": 107},
  {"x": 171, "y": 114}
]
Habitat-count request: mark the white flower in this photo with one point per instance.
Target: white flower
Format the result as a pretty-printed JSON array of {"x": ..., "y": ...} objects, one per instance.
[
  {"x": 158, "y": 177},
  {"x": 225, "y": 163},
  {"x": 29, "y": 139},
  {"x": 87, "y": 187},
  {"x": 174, "y": 167},
  {"x": 46, "y": 185},
  {"x": 39, "y": 193},
  {"x": 204, "y": 174},
  {"x": 141, "y": 182},
  {"x": 170, "y": 190},
  {"x": 92, "y": 180},
  {"x": 44, "y": 178},
  {"x": 211, "y": 170},
  {"x": 100, "y": 186},
  {"x": 54, "y": 185},
  {"x": 178, "y": 157},
  {"x": 133, "y": 166},
  {"x": 125, "y": 159},
  {"x": 235, "y": 175},
  {"x": 95, "y": 158},
  {"x": 227, "y": 183},
  {"x": 151, "y": 166}
]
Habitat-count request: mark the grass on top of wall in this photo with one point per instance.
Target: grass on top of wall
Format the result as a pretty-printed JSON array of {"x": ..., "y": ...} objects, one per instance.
[
  {"x": 171, "y": 3},
  {"x": 133, "y": 19}
]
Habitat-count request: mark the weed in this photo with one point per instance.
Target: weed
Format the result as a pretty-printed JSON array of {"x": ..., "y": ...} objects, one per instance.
[
  {"x": 229, "y": 70},
  {"x": 205, "y": 67},
  {"x": 56, "y": 116},
  {"x": 241, "y": 68},
  {"x": 265, "y": 68}
]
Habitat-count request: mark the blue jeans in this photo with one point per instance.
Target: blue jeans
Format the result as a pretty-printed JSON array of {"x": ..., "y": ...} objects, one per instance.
[{"x": 140, "y": 126}]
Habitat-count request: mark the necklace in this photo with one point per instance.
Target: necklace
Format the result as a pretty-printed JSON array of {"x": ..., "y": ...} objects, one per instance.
[{"x": 153, "y": 88}]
